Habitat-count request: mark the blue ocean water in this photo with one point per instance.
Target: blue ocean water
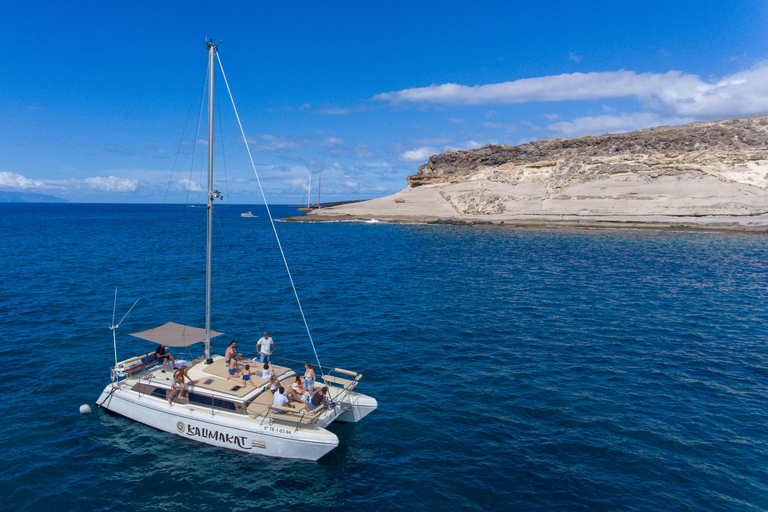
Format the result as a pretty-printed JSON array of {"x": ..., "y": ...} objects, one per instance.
[{"x": 515, "y": 369}]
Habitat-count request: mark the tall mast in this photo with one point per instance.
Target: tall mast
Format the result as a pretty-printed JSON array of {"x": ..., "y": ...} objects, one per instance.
[
  {"x": 309, "y": 191},
  {"x": 211, "y": 194}
]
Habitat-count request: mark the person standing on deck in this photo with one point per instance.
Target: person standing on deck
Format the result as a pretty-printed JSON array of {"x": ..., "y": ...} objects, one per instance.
[
  {"x": 264, "y": 346},
  {"x": 309, "y": 379}
]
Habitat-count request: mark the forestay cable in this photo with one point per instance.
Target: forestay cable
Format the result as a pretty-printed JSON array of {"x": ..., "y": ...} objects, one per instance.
[{"x": 271, "y": 220}]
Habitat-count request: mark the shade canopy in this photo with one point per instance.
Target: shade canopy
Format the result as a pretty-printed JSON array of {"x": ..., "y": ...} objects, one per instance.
[{"x": 175, "y": 335}]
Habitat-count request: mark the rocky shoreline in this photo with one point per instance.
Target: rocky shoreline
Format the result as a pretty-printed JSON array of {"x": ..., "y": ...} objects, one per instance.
[{"x": 700, "y": 176}]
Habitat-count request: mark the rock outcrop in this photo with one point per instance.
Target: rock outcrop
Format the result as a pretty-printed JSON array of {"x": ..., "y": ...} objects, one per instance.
[{"x": 716, "y": 170}]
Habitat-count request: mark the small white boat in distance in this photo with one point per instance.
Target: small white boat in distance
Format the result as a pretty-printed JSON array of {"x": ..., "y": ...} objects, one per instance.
[
  {"x": 248, "y": 214},
  {"x": 217, "y": 408}
]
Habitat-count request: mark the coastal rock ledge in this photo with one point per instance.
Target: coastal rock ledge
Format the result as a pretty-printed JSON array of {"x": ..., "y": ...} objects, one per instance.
[{"x": 706, "y": 175}]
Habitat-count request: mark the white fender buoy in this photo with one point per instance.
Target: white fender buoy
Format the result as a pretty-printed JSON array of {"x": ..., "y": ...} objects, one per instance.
[{"x": 85, "y": 409}]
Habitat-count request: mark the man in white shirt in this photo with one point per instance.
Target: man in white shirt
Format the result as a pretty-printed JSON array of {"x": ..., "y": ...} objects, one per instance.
[
  {"x": 264, "y": 346},
  {"x": 281, "y": 400}
]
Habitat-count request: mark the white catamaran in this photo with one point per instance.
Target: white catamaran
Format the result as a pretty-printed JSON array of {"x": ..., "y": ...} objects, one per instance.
[{"x": 223, "y": 412}]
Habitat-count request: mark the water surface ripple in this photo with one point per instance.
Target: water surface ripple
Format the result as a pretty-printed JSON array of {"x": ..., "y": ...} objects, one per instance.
[{"x": 515, "y": 369}]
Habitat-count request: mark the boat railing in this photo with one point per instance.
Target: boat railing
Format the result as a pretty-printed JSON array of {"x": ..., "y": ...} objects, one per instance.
[
  {"x": 196, "y": 397},
  {"x": 321, "y": 370},
  {"x": 284, "y": 361},
  {"x": 133, "y": 365},
  {"x": 292, "y": 415},
  {"x": 341, "y": 384}
]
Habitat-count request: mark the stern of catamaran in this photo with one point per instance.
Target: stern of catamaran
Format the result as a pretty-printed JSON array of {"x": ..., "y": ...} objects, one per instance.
[
  {"x": 353, "y": 406},
  {"x": 356, "y": 407}
]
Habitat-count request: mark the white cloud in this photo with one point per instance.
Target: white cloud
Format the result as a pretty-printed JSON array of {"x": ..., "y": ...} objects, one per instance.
[
  {"x": 267, "y": 142},
  {"x": 271, "y": 143},
  {"x": 111, "y": 184},
  {"x": 530, "y": 125},
  {"x": 468, "y": 144},
  {"x": 297, "y": 183},
  {"x": 679, "y": 94},
  {"x": 334, "y": 111},
  {"x": 432, "y": 141},
  {"x": 418, "y": 155},
  {"x": 192, "y": 186},
  {"x": 17, "y": 181},
  {"x": 614, "y": 124},
  {"x": 501, "y": 126}
]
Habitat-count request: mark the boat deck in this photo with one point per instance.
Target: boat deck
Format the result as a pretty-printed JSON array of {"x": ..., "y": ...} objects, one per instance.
[
  {"x": 252, "y": 399},
  {"x": 213, "y": 377}
]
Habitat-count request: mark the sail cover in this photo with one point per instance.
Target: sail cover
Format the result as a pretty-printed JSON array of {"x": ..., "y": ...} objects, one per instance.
[{"x": 175, "y": 335}]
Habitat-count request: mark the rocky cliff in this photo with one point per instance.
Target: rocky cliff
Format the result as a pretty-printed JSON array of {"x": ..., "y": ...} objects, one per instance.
[{"x": 717, "y": 170}]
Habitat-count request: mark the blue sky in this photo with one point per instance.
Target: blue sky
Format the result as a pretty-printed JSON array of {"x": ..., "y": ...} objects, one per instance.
[{"x": 96, "y": 95}]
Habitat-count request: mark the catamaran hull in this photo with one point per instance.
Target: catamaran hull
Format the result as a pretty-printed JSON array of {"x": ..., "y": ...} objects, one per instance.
[
  {"x": 356, "y": 407},
  {"x": 270, "y": 438}
]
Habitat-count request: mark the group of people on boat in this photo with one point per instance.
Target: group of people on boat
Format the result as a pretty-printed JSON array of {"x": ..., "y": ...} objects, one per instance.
[
  {"x": 283, "y": 397},
  {"x": 302, "y": 391}
]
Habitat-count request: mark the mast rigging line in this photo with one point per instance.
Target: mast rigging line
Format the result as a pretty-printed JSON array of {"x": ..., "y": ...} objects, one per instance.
[
  {"x": 269, "y": 214},
  {"x": 183, "y": 133}
]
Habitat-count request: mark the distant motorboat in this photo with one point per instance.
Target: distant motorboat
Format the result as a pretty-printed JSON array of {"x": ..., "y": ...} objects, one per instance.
[{"x": 248, "y": 214}]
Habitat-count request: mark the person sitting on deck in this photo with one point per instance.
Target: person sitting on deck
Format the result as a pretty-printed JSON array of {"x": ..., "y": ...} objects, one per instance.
[
  {"x": 281, "y": 400},
  {"x": 247, "y": 376},
  {"x": 293, "y": 395},
  {"x": 162, "y": 356},
  {"x": 317, "y": 399},
  {"x": 272, "y": 386},
  {"x": 231, "y": 353},
  {"x": 233, "y": 370},
  {"x": 266, "y": 373},
  {"x": 179, "y": 387},
  {"x": 299, "y": 385}
]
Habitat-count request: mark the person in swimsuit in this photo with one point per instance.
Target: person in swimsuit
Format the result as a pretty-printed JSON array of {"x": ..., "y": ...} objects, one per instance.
[
  {"x": 231, "y": 353},
  {"x": 162, "y": 356},
  {"x": 179, "y": 387},
  {"x": 247, "y": 376},
  {"x": 293, "y": 395},
  {"x": 309, "y": 378},
  {"x": 233, "y": 370}
]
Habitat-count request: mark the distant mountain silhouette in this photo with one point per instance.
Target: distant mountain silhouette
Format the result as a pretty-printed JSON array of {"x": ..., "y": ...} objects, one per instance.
[{"x": 28, "y": 197}]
